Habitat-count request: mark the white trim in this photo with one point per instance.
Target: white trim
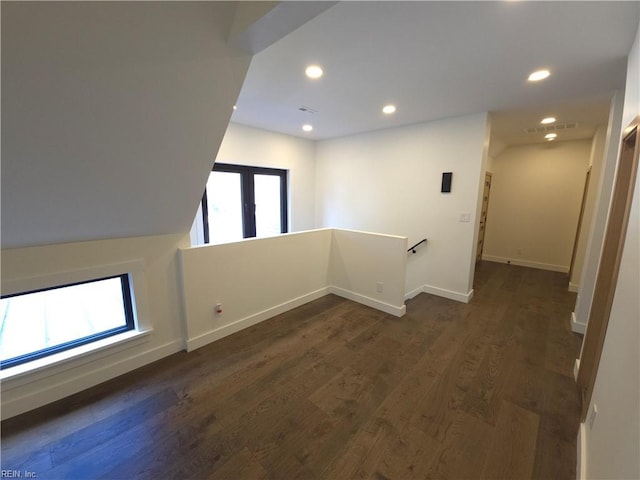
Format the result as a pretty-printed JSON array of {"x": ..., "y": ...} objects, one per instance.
[
  {"x": 576, "y": 369},
  {"x": 73, "y": 358},
  {"x": 413, "y": 293},
  {"x": 39, "y": 282},
  {"x": 258, "y": 239},
  {"x": 226, "y": 330},
  {"x": 581, "y": 460},
  {"x": 574, "y": 287},
  {"x": 375, "y": 234},
  {"x": 77, "y": 383},
  {"x": 526, "y": 263},
  {"x": 450, "y": 294},
  {"x": 576, "y": 326},
  {"x": 398, "y": 311}
]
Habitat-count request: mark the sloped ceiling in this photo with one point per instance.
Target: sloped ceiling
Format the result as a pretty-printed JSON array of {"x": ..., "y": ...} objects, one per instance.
[{"x": 112, "y": 113}]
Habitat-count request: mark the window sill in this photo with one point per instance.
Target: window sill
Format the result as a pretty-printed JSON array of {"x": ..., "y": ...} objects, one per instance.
[{"x": 74, "y": 354}]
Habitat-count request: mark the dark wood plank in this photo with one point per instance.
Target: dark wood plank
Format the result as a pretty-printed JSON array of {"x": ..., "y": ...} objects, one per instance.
[
  {"x": 405, "y": 455},
  {"x": 513, "y": 444},
  {"x": 463, "y": 451}
]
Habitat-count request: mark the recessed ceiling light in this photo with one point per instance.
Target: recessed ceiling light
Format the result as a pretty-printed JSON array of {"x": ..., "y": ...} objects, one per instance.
[
  {"x": 388, "y": 109},
  {"x": 313, "y": 71},
  {"x": 307, "y": 128},
  {"x": 539, "y": 75},
  {"x": 550, "y": 136},
  {"x": 548, "y": 120}
]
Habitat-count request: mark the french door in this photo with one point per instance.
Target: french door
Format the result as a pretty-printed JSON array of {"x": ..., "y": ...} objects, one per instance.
[{"x": 242, "y": 202}]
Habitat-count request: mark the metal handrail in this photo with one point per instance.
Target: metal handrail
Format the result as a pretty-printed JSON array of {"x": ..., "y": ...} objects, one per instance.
[{"x": 413, "y": 249}]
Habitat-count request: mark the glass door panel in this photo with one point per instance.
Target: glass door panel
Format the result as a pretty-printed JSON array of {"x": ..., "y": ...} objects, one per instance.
[
  {"x": 268, "y": 202},
  {"x": 224, "y": 204}
]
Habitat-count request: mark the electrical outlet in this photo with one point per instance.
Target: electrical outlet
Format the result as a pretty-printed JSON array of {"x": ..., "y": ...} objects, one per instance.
[
  {"x": 379, "y": 287},
  {"x": 218, "y": 310}
]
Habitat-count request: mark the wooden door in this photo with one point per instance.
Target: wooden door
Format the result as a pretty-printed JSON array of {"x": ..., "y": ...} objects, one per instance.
[
  {"x": 580, "y": 218},
  {"x": 483, "y": 215},
  {"x": 607, "y": 275}
]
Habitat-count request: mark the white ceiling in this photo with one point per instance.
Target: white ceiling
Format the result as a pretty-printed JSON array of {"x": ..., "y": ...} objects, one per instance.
[{"x": 443, "y": 59}]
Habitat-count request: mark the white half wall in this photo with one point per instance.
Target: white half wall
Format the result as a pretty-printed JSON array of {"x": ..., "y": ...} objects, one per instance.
[
  {"x": 253, "y": 279},
  {"x": 389, "y": 181},
  {"x": 256, "y": 279},
  {"x": 536, "y": 193},
  {"x": 369, "y": 268},
  {"x": 153, "y": 264}
]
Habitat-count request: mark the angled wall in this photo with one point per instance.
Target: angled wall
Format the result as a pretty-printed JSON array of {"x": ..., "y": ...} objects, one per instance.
[{"x": 112, "y": 113}]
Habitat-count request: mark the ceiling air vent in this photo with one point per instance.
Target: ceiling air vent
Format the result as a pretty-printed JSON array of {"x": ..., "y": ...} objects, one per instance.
[
  {"x": 307, "y": 110},
  {"x": 551, "y": 128}
]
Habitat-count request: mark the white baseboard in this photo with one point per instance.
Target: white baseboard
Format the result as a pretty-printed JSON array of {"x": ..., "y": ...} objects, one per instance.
[
  {"x": 226, "y": 330},
  {"x": 450, "y": 294},
  {"x": 576, "y": 369},
  {"x": 78, "y": 382},
  {"x": 581, "y": 457},
  {"x": 413, "y": 293},
  {"x": 398, "y": 311},
  {"x": 577, "y": 327},
  {"x": 526, "y": 263},
  {"x": 574, "y": 287}
]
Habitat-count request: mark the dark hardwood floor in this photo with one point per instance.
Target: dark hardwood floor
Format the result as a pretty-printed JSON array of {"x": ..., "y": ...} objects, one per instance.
[{"x": 337, "y": 390}]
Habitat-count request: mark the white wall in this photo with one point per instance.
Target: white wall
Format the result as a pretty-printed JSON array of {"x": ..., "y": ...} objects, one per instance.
[
  {"x": 489, "y": 164},
  {"x": 112, "y": 113},
  {"x": 536, "y": 192},
  {"x": 611, "y": 446},
  {"x": 580, "y": 315},
  {"x": 155, "y": 274},
  {"x": 389, "y": 182},
  {"x": 257, "y": 278},
  {"x": 596, "y": 162}
]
